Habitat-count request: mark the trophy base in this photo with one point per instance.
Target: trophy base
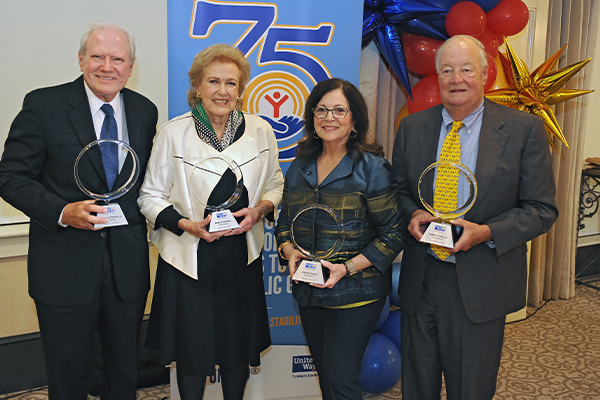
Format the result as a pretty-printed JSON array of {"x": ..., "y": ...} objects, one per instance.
[
  {"x": 309, "y": 272},
  {"x": 114, "y": 213},
  {"x": 222, "y": 221},
  {"x": 442, "y": 234}
]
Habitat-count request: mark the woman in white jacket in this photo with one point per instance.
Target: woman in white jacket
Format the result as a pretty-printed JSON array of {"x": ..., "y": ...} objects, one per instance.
[{"x": 209, "y": 304}]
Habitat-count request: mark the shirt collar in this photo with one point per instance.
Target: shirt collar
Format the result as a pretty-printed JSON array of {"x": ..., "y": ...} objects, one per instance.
[
  {"x": 468, "y": 121},
  {"x": 96, "y": 103}
]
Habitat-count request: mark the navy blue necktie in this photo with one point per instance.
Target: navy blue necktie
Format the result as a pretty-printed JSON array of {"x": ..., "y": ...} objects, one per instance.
[{"x": 110, "y": 151}]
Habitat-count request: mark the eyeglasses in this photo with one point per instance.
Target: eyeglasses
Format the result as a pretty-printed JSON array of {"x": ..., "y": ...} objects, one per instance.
[{"x": 337, "y": 112}]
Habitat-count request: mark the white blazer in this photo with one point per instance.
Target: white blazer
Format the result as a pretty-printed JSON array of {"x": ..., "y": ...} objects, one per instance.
[{"x": 177, "y": 149}]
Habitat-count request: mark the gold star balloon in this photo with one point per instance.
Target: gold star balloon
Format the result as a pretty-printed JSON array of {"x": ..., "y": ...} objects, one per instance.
[{"x": 536, "y": 92}]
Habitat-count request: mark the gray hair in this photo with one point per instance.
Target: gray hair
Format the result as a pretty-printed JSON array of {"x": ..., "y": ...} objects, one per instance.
[
  {"x": 462, "y": 38},
  {"x": 102, "y": 24}
]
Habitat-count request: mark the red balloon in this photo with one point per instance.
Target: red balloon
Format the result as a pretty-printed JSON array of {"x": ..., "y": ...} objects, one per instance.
[
  {"x": 426, "y": 93},
  {"x": 491, "y": 75},
  {"x": 420, "y": 53},
  {"x": 489, "y": 40},
  {"x": 465, "y": 18},
  {"x": 499, "y": 37},
  {"x": 508, "y": 18}
]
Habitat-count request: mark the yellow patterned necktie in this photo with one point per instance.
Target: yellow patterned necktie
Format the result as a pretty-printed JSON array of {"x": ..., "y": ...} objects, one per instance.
[{"x": 445, "y": 195}]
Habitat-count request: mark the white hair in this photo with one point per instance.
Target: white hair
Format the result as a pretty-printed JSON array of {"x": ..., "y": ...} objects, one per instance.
[
  {"x": 461, "y": 38},
  {"x": 102, "y": 24}
]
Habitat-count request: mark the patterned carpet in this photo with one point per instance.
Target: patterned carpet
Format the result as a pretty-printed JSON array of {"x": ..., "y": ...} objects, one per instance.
[{"x": 554, "y": 354}]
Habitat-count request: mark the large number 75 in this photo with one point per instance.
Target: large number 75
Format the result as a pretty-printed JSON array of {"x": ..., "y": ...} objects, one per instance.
[{"x": 262, "y": 31}]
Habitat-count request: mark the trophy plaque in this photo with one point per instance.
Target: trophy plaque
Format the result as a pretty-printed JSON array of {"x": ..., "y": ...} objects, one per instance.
[
  {"x": 441, "y": 232},
  {"x": 114, "y": 213},
  {"x": 312, "y": 230},
  {"x": 205, "y": 176}
]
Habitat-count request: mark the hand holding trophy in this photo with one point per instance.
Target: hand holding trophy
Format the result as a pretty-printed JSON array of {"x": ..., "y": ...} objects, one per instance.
[
  {"x": 206, "y": 175},
  {"x": 114, "y": 213},
  {"x": 441, "y": 232},
  {"x": 318, "y": 232}
]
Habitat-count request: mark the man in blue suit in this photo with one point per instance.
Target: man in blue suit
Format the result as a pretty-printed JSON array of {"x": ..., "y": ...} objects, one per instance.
[
  {"x": 83, "y": 278},
  {"x": 454, "y": 306}
]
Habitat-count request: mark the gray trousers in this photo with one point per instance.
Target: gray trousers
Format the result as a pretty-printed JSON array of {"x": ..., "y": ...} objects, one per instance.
[{"x": 440, "y": 339}]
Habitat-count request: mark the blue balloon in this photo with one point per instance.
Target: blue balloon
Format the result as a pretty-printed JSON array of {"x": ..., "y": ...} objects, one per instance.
[
  {"x": 391, "y": 328},
  {"x": 487, "y": 5},
  {"x": 404, "y": 10},
  {"x": 394, "y": 298},
  {"x": 372, "y": 21},
  {"x": 389, "y": 43},
  {"x": 382, "y": 21},
  {"x": 439, "y": 20},
  {"x": 384, "y": 313},
  {"x": 380, "y": 368},
  {"x": 426, "y": 28}
]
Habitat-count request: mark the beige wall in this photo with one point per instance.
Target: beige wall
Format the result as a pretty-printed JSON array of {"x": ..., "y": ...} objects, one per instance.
[
  {"x": 592, "y": 137},
  {"x": 17, "y": 309},
  {"x": 591, "y": 234}
]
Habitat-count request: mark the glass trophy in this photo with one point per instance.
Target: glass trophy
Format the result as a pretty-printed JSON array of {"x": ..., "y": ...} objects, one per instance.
[
  {"x": 441, "y": 232},
  {"x": 206, "y": 175},
  {"x": 92, "y": 151},
  {"x": 318, "y": 232}
]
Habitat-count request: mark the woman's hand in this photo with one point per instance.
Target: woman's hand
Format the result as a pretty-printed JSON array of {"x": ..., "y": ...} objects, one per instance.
[
  {"x": 294, "y": 257},
  {"x": 336, "y": 272},
  {"x": 252, "y": 215},
  {"x": 199, "y": 229}
]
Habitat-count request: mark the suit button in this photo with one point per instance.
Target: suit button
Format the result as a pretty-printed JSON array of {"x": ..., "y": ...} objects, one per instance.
[{"x": 103, "y": 234}]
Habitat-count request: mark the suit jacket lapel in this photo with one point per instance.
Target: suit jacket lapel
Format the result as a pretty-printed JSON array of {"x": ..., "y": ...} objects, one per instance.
[
  {"x": 492, "y": 141},
  {"x": 81, "y": 121},
  {"x": 132, "y": 117},
  {"x": 429, "y": 136}
]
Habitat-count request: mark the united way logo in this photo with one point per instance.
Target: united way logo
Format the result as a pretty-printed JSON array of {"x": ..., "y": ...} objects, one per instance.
[
  {"x": 279, "y": 98},
  {"x": 303, "y": 367}
]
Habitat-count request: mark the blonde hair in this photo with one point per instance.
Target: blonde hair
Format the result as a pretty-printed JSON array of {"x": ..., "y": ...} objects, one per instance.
[{"x": 216, "y": 52}]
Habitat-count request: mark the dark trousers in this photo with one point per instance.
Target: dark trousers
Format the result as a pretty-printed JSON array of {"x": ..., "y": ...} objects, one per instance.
[
  {"x": 439, "y": 338},
  {"x": 337, "y": 339},
  {"x": 68, "y": 335}
]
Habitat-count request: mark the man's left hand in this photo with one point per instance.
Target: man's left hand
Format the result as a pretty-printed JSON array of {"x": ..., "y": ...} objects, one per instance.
[{"x": 472, "y": 235}]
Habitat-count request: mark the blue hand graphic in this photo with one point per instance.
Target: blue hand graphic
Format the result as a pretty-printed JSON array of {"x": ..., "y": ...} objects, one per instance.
[{"x": 286, "y": 126}]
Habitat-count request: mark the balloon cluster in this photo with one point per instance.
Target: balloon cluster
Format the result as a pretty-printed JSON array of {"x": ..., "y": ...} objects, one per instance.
[
  {"x": 381, "y": 365},
  {"x": 409, "y": 32},
  {"x": 409, "y": 46}
]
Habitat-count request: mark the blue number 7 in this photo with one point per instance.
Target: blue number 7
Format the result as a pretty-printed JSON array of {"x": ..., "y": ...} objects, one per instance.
[{"x": 261, "y": 18}]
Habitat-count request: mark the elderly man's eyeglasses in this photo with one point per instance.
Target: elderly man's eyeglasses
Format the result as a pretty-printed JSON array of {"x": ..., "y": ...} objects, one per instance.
[{"x": 337, "y": 112}]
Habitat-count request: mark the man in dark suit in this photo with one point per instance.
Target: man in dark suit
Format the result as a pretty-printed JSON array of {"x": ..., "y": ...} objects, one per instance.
[
  {"x": 84, "y": 278},
  {"x": 454, "y": 305}
]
